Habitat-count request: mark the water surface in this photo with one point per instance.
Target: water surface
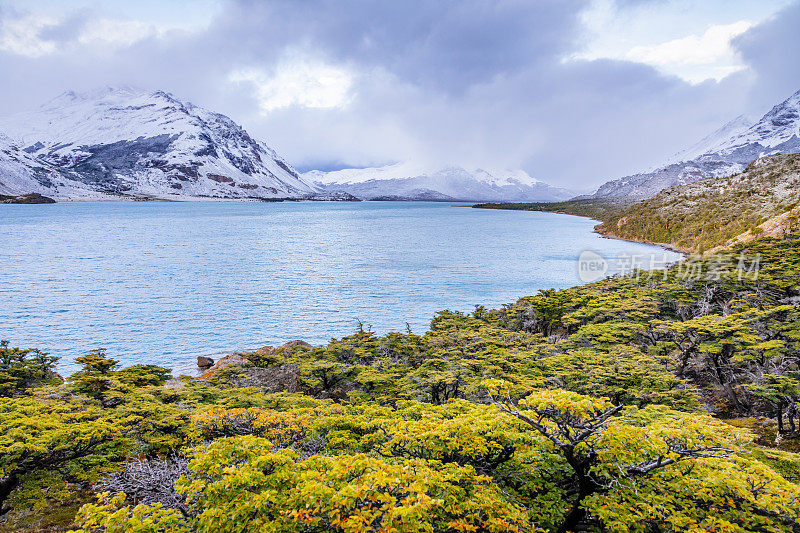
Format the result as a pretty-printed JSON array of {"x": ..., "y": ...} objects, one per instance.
[{"x": 163, "y": 282}]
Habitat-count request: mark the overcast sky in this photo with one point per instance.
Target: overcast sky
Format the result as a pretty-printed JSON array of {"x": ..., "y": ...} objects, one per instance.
[{"x": 575, "y": 92}]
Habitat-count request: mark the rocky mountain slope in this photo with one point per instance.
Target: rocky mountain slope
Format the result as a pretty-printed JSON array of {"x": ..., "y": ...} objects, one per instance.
[
  {"x": 129, "y": 142},
  {"x": 21, "y": 173},
  {"x": 723, "y": 153},
  {"x": 715, "y": 212},
  {"x": 405, "y": 181}
]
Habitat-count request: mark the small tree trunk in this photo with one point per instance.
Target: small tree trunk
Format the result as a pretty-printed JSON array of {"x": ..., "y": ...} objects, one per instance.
[
  {"x": 731, "y": 394},
  {"x": 7, "y": 485},
  {"x": 727, "y": 386},
  {"x": 779, "y": 417},
  {"x": 573, "y": 518},
  {"x": 586, "y": 487},
  {"x": 684, "y": 360}
]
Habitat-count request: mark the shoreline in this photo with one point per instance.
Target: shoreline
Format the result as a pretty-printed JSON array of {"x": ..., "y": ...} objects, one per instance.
[
  {"x": 609, "y": 235},
  {"x": 606, "y": 234}
]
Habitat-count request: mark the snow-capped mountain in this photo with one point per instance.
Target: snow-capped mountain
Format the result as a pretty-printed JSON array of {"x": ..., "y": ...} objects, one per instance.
[
  {"x": 404, "y": 181},
  {"x": 137, "y": 143},
  {"x": 727, "y": 151}
]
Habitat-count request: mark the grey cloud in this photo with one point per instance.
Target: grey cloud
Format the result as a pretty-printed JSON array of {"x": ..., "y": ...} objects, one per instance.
[
  {"x": 446, "y": 44},
  {"x": 67, "y": 30},
  {"x": 770, "y": 49}
]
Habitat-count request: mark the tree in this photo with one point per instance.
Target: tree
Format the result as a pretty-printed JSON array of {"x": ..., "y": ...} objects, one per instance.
[
  {"x": 22, "y": 369},
  {"x": 781, "y": 392},
  {"x": 47, "y": 443},
  {"x": 96, "y": 377},
  {"x": 624, "y": 374},
  {"x": 110, "y": 514},
  {"x": 244, "y": 484},
  {"x": 351, "y": 493},
  {"x": 437, "y": 380},
  {"x": 706, "y": 494},
  {"x": 603, "y": 450},
  {"x": 710, "y": 343}
]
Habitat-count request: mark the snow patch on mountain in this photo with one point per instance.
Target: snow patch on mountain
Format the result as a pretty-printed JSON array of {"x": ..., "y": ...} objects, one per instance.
[{"x": 734, "y": 128}]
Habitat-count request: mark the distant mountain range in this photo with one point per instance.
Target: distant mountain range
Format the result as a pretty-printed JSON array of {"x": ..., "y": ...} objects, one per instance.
[
  {"x": 723, "y": 153},
  {"x": 404, "y": 181},
  {"x": 130, "y": 143},
  {"x": 117, "y": 143}
]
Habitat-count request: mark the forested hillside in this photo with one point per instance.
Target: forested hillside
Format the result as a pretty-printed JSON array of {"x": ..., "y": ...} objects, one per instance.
[{"x": 652, "y": 402}]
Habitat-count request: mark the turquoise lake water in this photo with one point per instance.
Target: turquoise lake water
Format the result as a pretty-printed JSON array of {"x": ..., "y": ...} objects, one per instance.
[{"x": 164, "y": 282}]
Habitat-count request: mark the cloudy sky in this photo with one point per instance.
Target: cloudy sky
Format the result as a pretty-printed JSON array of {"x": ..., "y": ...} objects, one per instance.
[{"x": 573, "y": 91}]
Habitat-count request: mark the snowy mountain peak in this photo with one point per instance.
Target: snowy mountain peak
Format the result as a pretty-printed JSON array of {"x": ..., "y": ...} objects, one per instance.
[
  {"x": 124, "y": 140},
  {"x": 778, "y": 126},
  {"x": 123, "y": 91}
]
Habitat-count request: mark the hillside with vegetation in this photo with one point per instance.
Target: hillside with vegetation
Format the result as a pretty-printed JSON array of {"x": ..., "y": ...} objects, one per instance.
[
  {"x": 665, "y": 401},
  {"x": 714, "y": 212}
]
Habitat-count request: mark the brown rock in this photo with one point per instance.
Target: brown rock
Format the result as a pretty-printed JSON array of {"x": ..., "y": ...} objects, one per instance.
[
  {"x": 266, "y": 350},
  {"x": 230, "y": 359},
  {"x": 204, "y": 362},
  {"x": 291, "y": 344},
  {"x": 282, "y": 378}
]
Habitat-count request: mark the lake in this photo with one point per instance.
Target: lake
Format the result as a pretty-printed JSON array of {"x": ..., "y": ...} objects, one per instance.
[{"x": 164, "y": 282}]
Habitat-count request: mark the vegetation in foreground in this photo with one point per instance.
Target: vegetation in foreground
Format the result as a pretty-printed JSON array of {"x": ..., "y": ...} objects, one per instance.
[{"x": 663, "y": 402}]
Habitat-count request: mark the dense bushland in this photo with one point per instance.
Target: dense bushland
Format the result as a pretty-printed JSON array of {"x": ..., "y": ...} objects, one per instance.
[{"x": 665, "y": 401}]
